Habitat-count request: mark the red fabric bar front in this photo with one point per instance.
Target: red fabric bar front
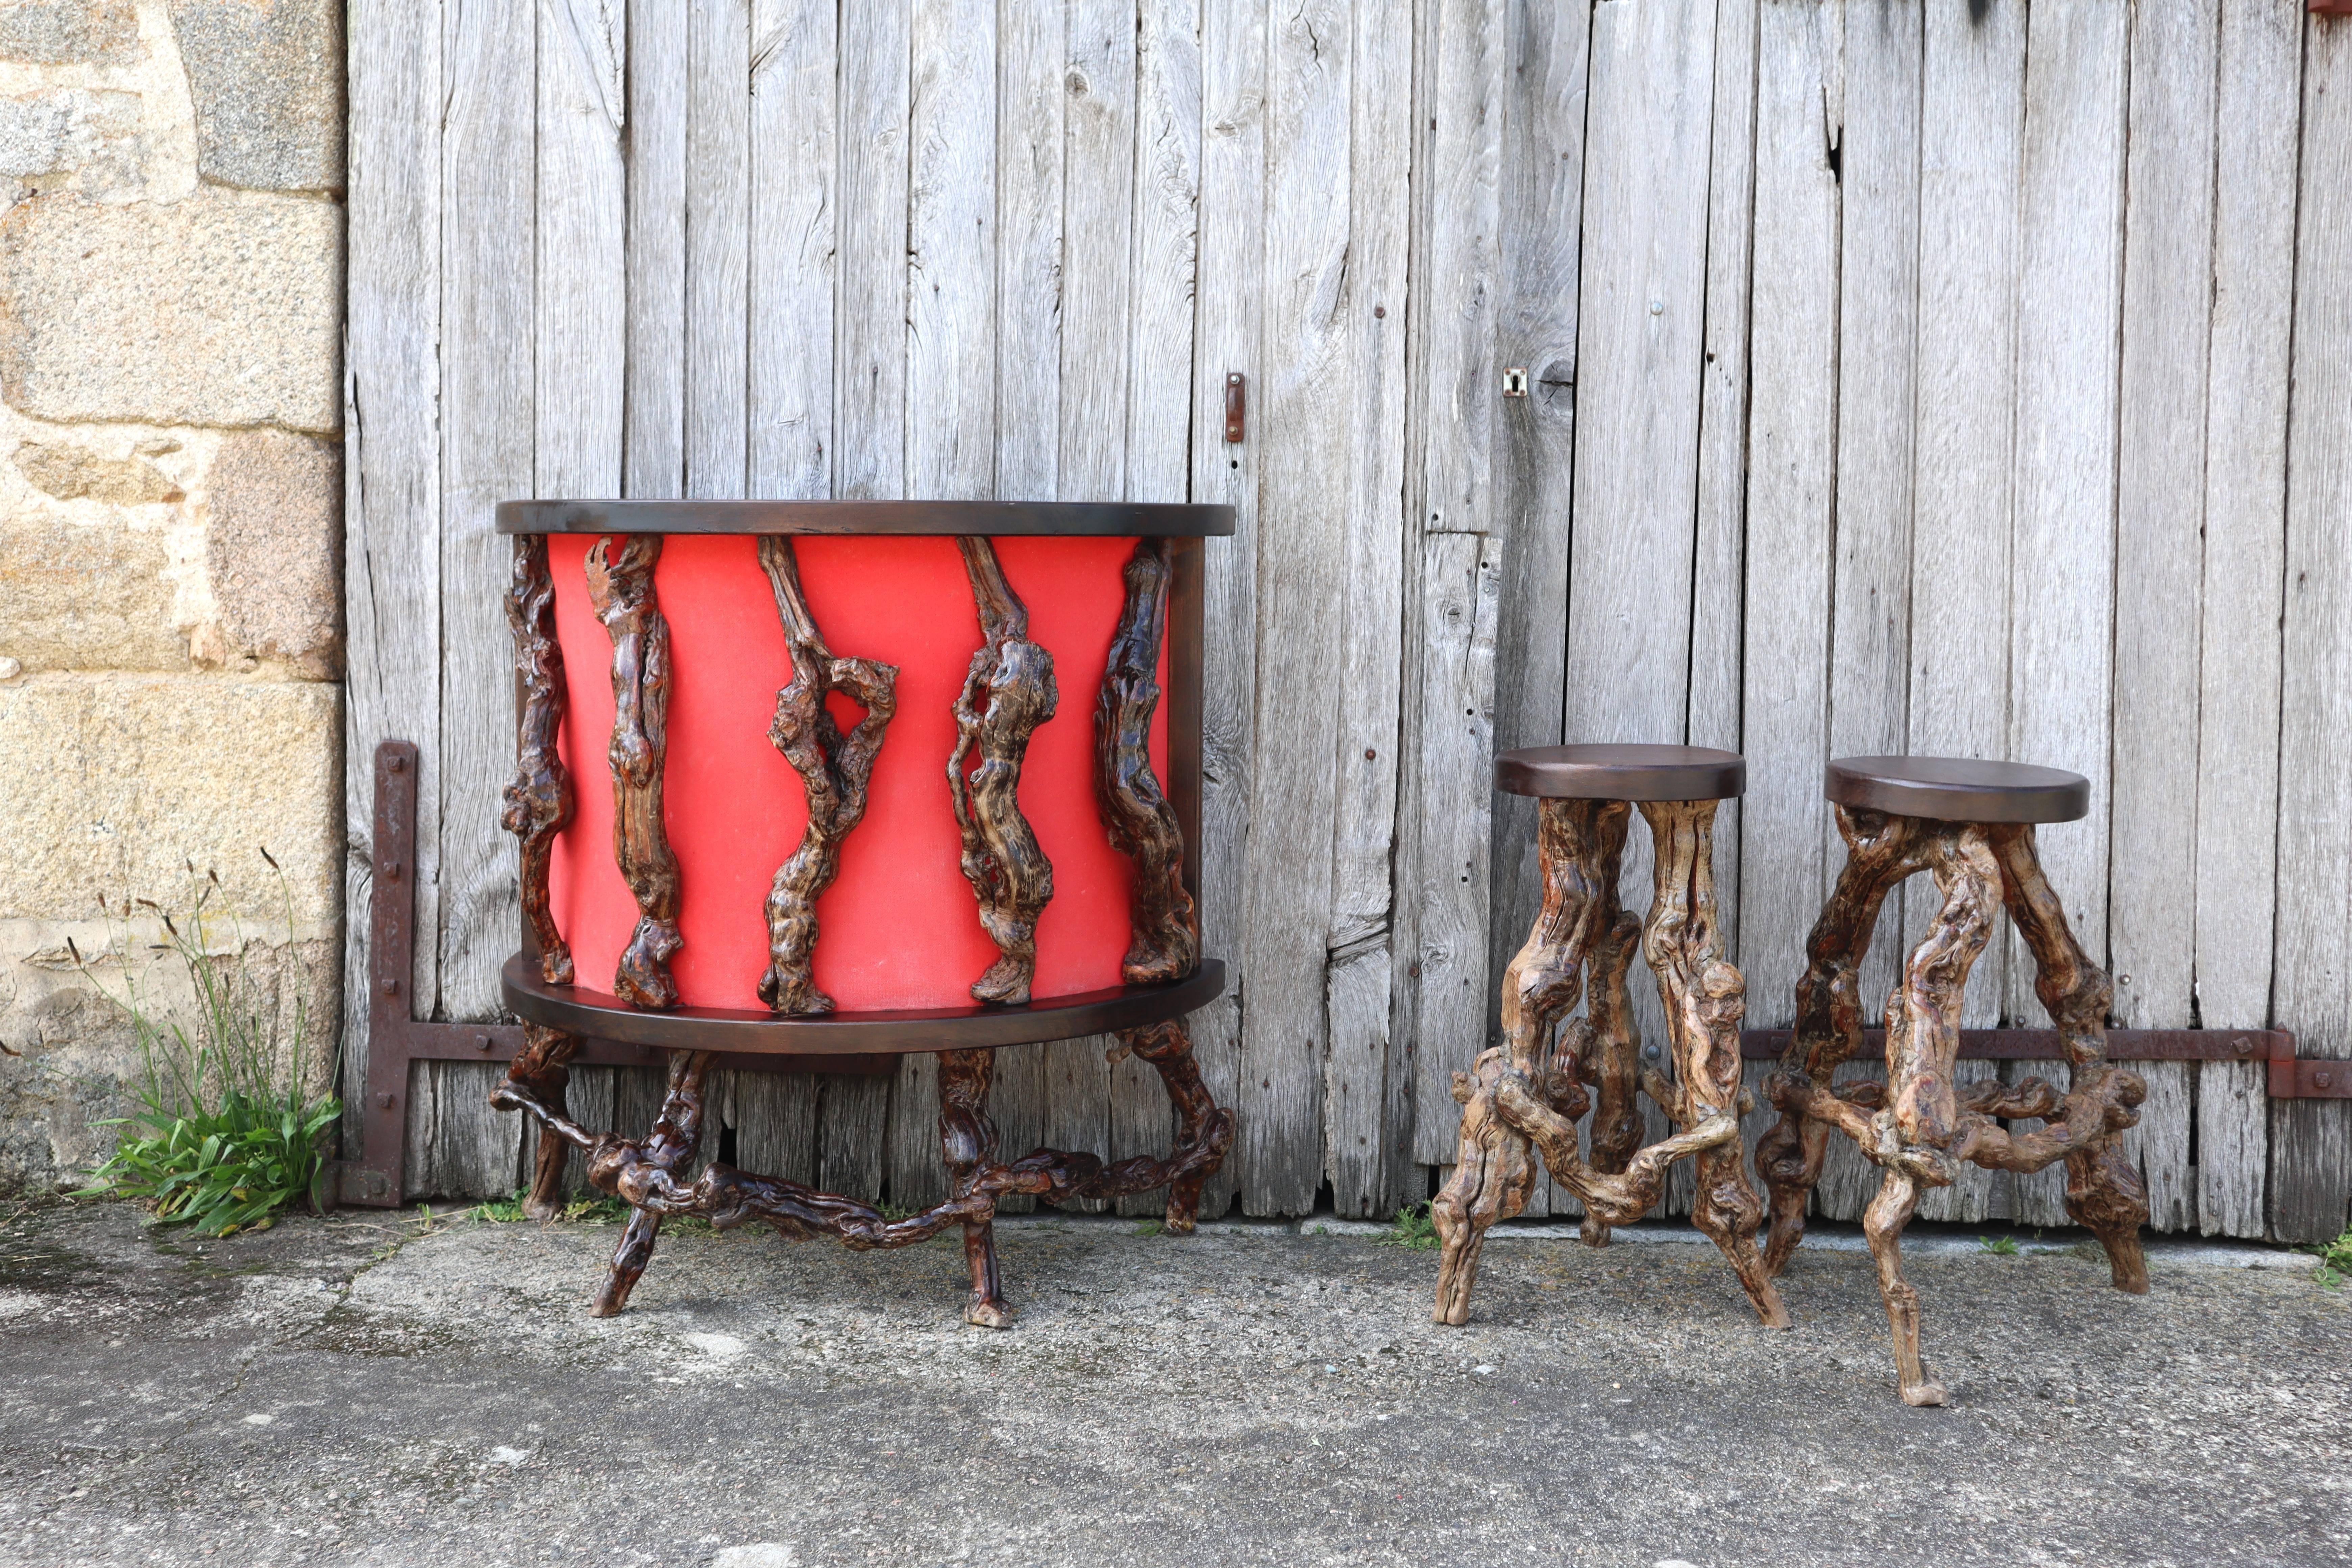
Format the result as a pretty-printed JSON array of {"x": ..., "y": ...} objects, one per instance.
[{"x": 899, "y": 928}]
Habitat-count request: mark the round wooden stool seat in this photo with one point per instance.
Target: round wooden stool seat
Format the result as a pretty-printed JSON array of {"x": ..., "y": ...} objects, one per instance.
[
  {"x": 1959, "y": 789},
  {"x": 1621, "y": 772}
]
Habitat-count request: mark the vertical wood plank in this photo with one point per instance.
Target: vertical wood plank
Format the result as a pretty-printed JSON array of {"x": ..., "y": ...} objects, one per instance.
[
  {"x": 2232, "y": 1148},
  {"x": 1460, "y": 594},
  {"x": 852, "y": 1151},
  {"x": 869, "y": 452},
  {"x": 1878, "y": 325},
  {"x": 1227, "y": 312},
  {"x": 1447, "y": 803},
  {"x": 487, "y": 441},
  {"x": 1164, "y": 237},
  {"x": 2311, "y": 1140},
  {"x": 1304, "y": 411},
  {"x": 581, "y": 285},
  {"x": 1971, "y": 129},
  {"x": 1720, "y": 551},
  {"x": 1098, "y": 212},
  {"x": 583, "y": 292},
  {"x": 870, "y": 347},
  {"x": 1537, "y": 237},
  {"x": 1791, "y": 491},
  {"x": 774, "y": 1116},
  {"x": 2157, "y": 572},
  {"x": 718, "y": 245},
  {"x": 793, "y": 117},
  {"x": 467, "y": 1149},
  {"x": 391, "y": 468},
  {"x": 1643, "y": 355},
  {"x": 2167, "y": 285},
  {"x": 2258, "y": 96},
  {"x": 1029, "y": 134},
  {"x": 2257, "y": 91},
  {"x": 1029, "y": 95},
  {"x": 2159, "y": 1145},
  {"x": 950, "y": 421},
  {"x": 950, "y": 416},
  {"x": 1644, "y": 283},
  {"x": 2159, "y": 523},
  {"x": 783, "y": 180},
  {"x": 2063, "y": 550},
  {"x": 1356, "y": 1156},
  {"x": 654, "y": 330}
]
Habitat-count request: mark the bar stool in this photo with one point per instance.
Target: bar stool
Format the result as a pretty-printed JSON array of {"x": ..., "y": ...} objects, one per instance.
[
  {"x": 1969, "y": 825},
  {"x": 1532, "y": 1090}
]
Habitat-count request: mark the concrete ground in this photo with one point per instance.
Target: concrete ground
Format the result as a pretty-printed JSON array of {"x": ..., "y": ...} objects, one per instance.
[{"x": 374, "y": 1389}]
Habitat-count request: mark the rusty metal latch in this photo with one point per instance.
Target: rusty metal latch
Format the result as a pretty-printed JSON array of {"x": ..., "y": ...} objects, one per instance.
[{"x": 1237, "y": 407}]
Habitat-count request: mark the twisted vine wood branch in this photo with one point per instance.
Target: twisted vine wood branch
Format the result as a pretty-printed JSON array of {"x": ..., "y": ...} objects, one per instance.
[
  {"x": 1164, "y": 943},
  {"x": 1007, "y": 693},
  {"x": 621, "y": 588},
  {"x": 835, "y": 770},
  {"x": 537, "y": 802}
]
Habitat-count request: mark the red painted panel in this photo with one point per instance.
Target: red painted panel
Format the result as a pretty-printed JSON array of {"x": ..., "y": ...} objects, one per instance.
[{"x": 899, "y": 928}]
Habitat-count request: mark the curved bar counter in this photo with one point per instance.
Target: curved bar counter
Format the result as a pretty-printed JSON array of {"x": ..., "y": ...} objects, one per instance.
[{"x": 1116, "y": 595}]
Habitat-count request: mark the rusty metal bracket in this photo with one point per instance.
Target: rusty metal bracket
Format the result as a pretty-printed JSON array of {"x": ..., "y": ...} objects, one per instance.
[
  {"x": 2291, "y": 1076},
  {"x": 372, "y": 1176},
  {"x": 1237, "y": 407}
]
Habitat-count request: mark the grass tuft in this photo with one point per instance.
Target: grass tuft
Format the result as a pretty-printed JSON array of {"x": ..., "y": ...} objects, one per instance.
[
  {"x": 1414, "y": 1228},
  {"x": 2335, "y": 1262},
  {"x": 234, "y": 1130}
]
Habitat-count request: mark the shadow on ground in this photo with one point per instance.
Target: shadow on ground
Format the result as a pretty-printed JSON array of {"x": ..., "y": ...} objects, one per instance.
[{"x": 368, "y": 1390}]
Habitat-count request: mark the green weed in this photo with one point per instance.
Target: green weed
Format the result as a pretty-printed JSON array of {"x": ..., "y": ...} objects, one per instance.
[
  {"x": 502, "y": 1211},
  {"x": 1414, "y": 1228},
  {"x": 1997, "y": 1245},
  {"x": 1149, "y": 1227},
  {"x": 233, "y": 1129},
  {"x": 2335, "y": 1262}
]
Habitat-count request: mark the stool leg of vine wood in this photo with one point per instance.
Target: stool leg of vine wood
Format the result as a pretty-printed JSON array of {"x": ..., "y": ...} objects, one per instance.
[
  {"x": 1494, "y": 1172},
  {"x": 1579, "y": 844},
  {"x": 1612, "y": 1057},
  {"x": 968, "y": 1147},
  {"x": 677, "y": 1133},
  {"x": 1883, "y": 1224},
  {"x": 2103, "y": 1193},
  {"x": 1915, "y": 1134},
  {"x": 544, "y": 1067},
  {"x": 1200, "y": 1121},
  {"x": 1829, "y": 1018},
  {"x": 1705, "y": 997}
]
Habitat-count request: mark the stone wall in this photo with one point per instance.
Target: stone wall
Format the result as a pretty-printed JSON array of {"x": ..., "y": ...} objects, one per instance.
[{"x": 171, "y": 294}]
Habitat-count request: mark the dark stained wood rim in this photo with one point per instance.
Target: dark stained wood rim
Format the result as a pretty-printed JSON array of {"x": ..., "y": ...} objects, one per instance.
[
  {"x": 1621, "y": 772},
  {"x": 1957, "y": 789},
  {"x": 1066, "y": 518},
  {"x": 592, "y": 1012}
]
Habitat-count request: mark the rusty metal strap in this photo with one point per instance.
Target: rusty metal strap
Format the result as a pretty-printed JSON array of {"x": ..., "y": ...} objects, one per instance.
[
  {"x": 372, "y": 1173},
  {"x": 2291, "y": 1077}
]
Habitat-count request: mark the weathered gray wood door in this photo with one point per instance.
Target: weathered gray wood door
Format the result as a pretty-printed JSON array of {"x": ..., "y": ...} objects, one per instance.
[{"x": 1899, "y": 377}]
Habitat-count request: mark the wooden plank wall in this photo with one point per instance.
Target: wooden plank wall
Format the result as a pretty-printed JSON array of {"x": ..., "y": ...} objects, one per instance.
[{"x": 1952, "y": 377}]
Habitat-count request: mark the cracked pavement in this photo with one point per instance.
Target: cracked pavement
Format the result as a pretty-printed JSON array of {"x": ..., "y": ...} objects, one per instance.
[{"x": 367, "y": 1389}]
